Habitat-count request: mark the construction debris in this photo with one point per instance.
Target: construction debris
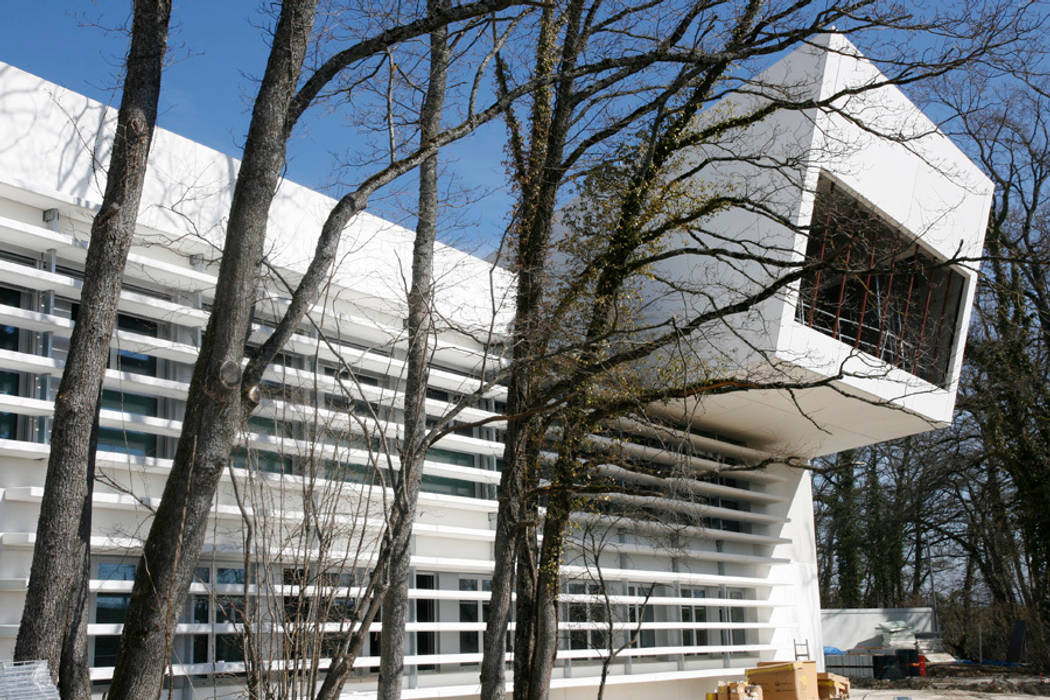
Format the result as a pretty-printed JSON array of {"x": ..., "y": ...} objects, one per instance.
[{"x": 786, "y": 680}]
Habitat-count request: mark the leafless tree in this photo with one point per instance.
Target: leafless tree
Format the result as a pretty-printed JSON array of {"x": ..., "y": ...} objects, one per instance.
[
  {"x": 221, "y": 393},
  {"x": 54, "y": 619},
  {"x": 593, "y": 380}
]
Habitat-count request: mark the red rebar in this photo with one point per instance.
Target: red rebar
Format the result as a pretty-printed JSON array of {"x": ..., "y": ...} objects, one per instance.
[
  {"x": 904, "y": 316},
  {"x": 940, "y": 322},
  {"x": 922, "y": 329},
  {"x": 886, "y": 301},
  {"x": 816, "y": 282},
  {"x": 842, "y": 293},
  {"x": 864, "y": 300}
]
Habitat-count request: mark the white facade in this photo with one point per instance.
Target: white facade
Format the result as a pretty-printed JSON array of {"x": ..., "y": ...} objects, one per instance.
[
  {"x": 888, "y": 157},
  {"x": 739, "y": 585}
]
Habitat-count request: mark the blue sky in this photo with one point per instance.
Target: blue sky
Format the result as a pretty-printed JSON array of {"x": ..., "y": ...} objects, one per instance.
[{"x": 217, "y": 49}]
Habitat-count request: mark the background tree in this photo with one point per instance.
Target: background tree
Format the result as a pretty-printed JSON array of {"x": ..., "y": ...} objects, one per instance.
[{"x": 975, "y": 497}]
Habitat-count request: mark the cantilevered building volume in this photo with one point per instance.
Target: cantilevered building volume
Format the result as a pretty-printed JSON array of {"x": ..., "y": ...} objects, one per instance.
[{"x": 739, "y": 582}]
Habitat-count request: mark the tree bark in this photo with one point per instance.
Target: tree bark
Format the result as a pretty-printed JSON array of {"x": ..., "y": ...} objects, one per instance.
[
  {"x": 420, "y": 328},
  {"x": 53, "y": 625},
  {"x": 214, "y": 411},
  {"x": 548, "y": 580},
  {"x": 539, "y": 181}
]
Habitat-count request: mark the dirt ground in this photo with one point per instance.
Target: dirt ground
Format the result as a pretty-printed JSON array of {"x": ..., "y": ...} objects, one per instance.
[
  {"x": 957, "y": 683},
  {"x": 935, "y": 694}
]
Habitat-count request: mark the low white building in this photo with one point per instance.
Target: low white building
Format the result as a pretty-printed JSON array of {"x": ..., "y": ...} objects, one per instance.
[{"x": 740, "y": 583}]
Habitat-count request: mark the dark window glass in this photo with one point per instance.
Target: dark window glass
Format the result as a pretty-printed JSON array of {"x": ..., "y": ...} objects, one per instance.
[
  {"x": 129, "y": 403},
  {"x": 228, "y": 647},
  {"x": 9, "y": 334},
  {"x": 691, "y": 613},
  {"x": 9, "y": 421},
  {"x": 438, "y": 394},
  {"x": 229, "y": 609},
  {"x": 138, "y": 444},
  {"x": 200, "y": 609},
  {"x": 200, "y": 648},
  {"x": 460, "y": 459},
  {"x": 136, "y": 362},
  {"x": 111, "y": 608},
  {"x": 468, "y": 612},
  {"x": 106, "y": 651},
  {"x": 347, "y": 471},
  {"x": 445, "y": 485},
  {"x": 448, "y": 487},
  {"x": 129, "y": 442},
  {"x": 116, "y": 572},
  {"x": 426, "y": 611},
  {"x": 9, "y": 380},
  {"x": 229, "y": 575},
  {"x": 264, "y": 461}
]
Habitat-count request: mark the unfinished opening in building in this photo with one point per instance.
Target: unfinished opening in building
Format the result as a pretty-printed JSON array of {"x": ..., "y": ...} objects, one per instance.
[{"x": 877, "y": 290}]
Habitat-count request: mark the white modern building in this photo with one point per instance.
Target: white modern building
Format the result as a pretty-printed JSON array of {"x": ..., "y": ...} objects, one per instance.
[{"x": 738, "y": 584}]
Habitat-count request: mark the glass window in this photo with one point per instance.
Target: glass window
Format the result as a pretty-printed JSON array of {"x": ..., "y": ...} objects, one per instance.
[
  {"x": 270, "y": 426},
  {"x": 111, "y": 608},
  {"x": 460, "y": 459},
  {"x": 136, "y": 362},
  {"x": 229, "y": 575},
  {"x": 9, "y": 334},
  {"x": 591, "y": 611},
  {"x": 263, "y": 461},
  {"x": 643, "y": 613},
  {"x": 229, "y": 647},
  {"x": 126, "y": 441},
  {"x": 347, "y": 471},
  {"x": 472, "y": 611},
  {"x": 129, "y": 403},
  {"x": 137, "y": 444},
  {"x": 9, "y": 421},
  {"x": 448, "y": 487},
  {"x": 9, "y": 381},
  {"x": 738, "y": 614},
  {"x": 426, "y": 611},
  {"x": 200, "y": 648},
  {"x": 693, "y": 613},
  {"x": 116, "y": 572},
  {"x": 200, "y": 609},
  {"x": 106, "y": 651},
  {"x": 229, "y": 609},
  {"x": 445, "y": 485}
]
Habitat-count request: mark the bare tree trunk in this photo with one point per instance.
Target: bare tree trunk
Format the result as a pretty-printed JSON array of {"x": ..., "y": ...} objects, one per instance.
[
  {"x": 52, "y": 626},
  {"x": 214, "y": 404},
  {"x": 505, "y": 553},
  {"x": 420, "y": 328},
  {"x": 539, "y": 176},
  {"x": 545, "y": 611},
  {"x": 74, "y": 678}
]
